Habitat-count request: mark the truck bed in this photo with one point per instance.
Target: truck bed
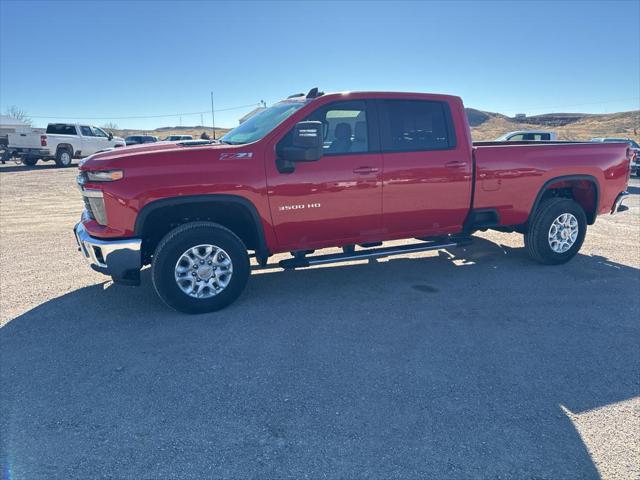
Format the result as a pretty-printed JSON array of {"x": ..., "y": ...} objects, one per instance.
[{"x": 504, "y": 172}]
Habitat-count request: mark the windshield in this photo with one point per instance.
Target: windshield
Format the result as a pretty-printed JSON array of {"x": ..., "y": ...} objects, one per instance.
[{"x": 262, "y": 123}]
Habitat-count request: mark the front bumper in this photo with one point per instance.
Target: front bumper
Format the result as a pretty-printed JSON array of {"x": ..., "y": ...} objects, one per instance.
[
  {"x": 617, "y": 205},
  {"x": 119, "y": 258}
]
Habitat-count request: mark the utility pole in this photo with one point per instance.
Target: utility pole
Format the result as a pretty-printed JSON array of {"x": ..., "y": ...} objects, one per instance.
[{"x": 213, "y": 119}]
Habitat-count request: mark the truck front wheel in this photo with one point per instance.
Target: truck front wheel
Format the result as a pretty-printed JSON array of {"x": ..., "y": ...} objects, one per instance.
[
  {"x": 200, "y": 267},
  {"x": 556, "y": 231}
]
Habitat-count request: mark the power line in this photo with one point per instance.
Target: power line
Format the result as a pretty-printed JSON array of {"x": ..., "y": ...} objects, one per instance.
[{"x": 127, "y": 117}]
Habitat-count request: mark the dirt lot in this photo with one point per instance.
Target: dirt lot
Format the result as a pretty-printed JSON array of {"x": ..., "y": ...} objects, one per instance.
[{"x": 474, "y": 363}]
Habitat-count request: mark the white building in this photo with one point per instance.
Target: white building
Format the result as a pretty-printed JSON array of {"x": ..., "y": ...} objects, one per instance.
[{"x": 11, "y": 125}]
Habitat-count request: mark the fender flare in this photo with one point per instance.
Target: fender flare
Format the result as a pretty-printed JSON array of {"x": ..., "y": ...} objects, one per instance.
[
  {"x": 65, "y": 146},
  {"x": 564, "y": 178},
  {"x": 150, "y": 207}
]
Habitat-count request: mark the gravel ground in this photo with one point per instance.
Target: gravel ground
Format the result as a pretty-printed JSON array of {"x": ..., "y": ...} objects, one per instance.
[{"x": 473, "y": 363}]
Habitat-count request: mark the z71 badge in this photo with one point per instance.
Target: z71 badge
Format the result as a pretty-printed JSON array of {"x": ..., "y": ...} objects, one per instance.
[
  {"x": 299, "y": 206},
  {"x": 236, "y": 156}
]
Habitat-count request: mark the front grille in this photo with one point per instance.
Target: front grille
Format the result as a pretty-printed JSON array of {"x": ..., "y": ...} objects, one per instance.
[{"x": 81, "y": 179}]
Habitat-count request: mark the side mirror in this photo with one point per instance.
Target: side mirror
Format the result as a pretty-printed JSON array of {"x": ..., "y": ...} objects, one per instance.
[
  {"x": 306, "y": 143},
  {"x": 110, "y": 136}
]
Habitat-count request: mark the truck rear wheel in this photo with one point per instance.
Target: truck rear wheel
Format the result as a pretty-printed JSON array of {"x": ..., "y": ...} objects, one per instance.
[
  {"x": 556, "y": 231},
  {"x": 64, "y": 157},
  {"x": 200, "y": 267}
]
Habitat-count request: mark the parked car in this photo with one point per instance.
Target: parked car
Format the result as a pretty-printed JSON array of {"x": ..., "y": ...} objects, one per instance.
[
  {"x": 61, "y": 142},
  {"x": 178, "y": 138},
  {"x": 635, "y": 161},
  {"x": 139, "y": 139},
  {"x": 344, "y": 170},
  {"x": 527, "y": 136}
]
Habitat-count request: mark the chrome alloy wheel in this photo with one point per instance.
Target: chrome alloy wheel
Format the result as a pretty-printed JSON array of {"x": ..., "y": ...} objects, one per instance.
[
  {"x": 203, "y": 271},
  {"x": 563, "y": 233}
]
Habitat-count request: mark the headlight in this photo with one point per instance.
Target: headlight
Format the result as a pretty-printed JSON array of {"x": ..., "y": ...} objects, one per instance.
[{"x": 105, "y": 175}]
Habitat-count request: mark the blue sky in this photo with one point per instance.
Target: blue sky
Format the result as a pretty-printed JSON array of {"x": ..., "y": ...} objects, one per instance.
[{"x": 119, "y": 59}]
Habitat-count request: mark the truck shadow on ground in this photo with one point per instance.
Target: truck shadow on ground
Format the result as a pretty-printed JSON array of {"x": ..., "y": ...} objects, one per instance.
[
  {"x": 633, "y": 189},
  {"x": 449, "y": 366}
]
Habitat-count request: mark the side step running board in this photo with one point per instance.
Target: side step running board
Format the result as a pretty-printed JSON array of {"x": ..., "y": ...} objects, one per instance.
[{"x": 300, "y": 262}]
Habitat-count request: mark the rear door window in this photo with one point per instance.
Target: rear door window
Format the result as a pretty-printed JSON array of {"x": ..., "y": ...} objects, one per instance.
[
  {"x": 416, "y": 125},
  {"x": 536, "y": 137},
  {"x": 61, "y": 129}
]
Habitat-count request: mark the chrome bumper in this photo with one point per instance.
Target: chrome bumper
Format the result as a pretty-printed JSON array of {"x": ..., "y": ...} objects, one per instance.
[
  {"x": 119, "y": 258},
  {"x": 617, "y": 205}
]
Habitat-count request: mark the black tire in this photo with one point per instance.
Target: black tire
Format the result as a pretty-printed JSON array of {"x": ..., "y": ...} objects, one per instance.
[
  {"x": 536, "y": 239},
  {"x": 181, "y": 239},
  {"x": 64, "y": 157},
  {"x": 29, "y": 161}
]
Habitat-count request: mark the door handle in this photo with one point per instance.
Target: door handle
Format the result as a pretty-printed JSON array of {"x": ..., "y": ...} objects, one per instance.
[
  {"x": 365, "y": 170},
  {"x": 455, "y": 164}
]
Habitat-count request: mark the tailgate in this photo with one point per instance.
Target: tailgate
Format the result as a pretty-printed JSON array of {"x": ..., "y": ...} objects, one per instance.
[{"x": 24, "y": 140}]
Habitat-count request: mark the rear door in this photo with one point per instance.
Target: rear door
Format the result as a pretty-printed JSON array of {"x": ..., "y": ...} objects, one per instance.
[
  {"x": 337, "y": 199},
  {"x": 427, "y": 172}
]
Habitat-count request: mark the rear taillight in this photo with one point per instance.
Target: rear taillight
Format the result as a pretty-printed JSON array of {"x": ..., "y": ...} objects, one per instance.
[{"x": 43, "y": 140}]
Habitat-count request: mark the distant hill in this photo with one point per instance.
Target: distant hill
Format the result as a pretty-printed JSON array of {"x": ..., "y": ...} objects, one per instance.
[
  {"x": 569, "y": 126},
  {"x": 163, "y": 132},
  {"x": 490, "y": 125}
]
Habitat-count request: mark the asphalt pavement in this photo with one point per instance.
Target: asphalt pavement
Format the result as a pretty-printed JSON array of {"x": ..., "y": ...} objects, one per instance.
[{"x": 469, "y": 363}]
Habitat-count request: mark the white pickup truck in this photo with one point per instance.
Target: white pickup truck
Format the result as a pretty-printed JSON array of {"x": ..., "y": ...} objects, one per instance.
[
  {"x": 61, "y": 142},
  {"x": 528, "y": 136}
]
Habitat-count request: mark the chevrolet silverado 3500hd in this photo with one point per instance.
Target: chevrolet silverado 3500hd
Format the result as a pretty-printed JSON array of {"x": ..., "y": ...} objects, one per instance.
[{"x": 344, "y": 170}]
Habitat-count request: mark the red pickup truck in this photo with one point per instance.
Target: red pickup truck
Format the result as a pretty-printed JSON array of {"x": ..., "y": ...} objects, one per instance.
[{"x": 348, "y": 170}]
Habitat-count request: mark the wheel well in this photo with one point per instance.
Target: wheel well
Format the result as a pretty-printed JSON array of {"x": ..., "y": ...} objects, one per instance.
[
  {"x": 64, "y": 146},
  {"x": 231, "y": 214},
  {"x": 583, "y": 190}
]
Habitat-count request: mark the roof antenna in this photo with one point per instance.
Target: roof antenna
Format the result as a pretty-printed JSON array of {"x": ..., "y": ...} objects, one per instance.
[{"x": 314, "y": 93}]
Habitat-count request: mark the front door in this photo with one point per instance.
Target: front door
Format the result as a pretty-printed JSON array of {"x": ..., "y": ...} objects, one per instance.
[
  {"x": 89, "y": 141},
  {"x": 337, "y": 199},
  {"x": 101, "y": 139}
]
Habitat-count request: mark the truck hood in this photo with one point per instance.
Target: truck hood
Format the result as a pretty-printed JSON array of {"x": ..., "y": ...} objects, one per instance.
[{"x": 175, "y": 151}]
